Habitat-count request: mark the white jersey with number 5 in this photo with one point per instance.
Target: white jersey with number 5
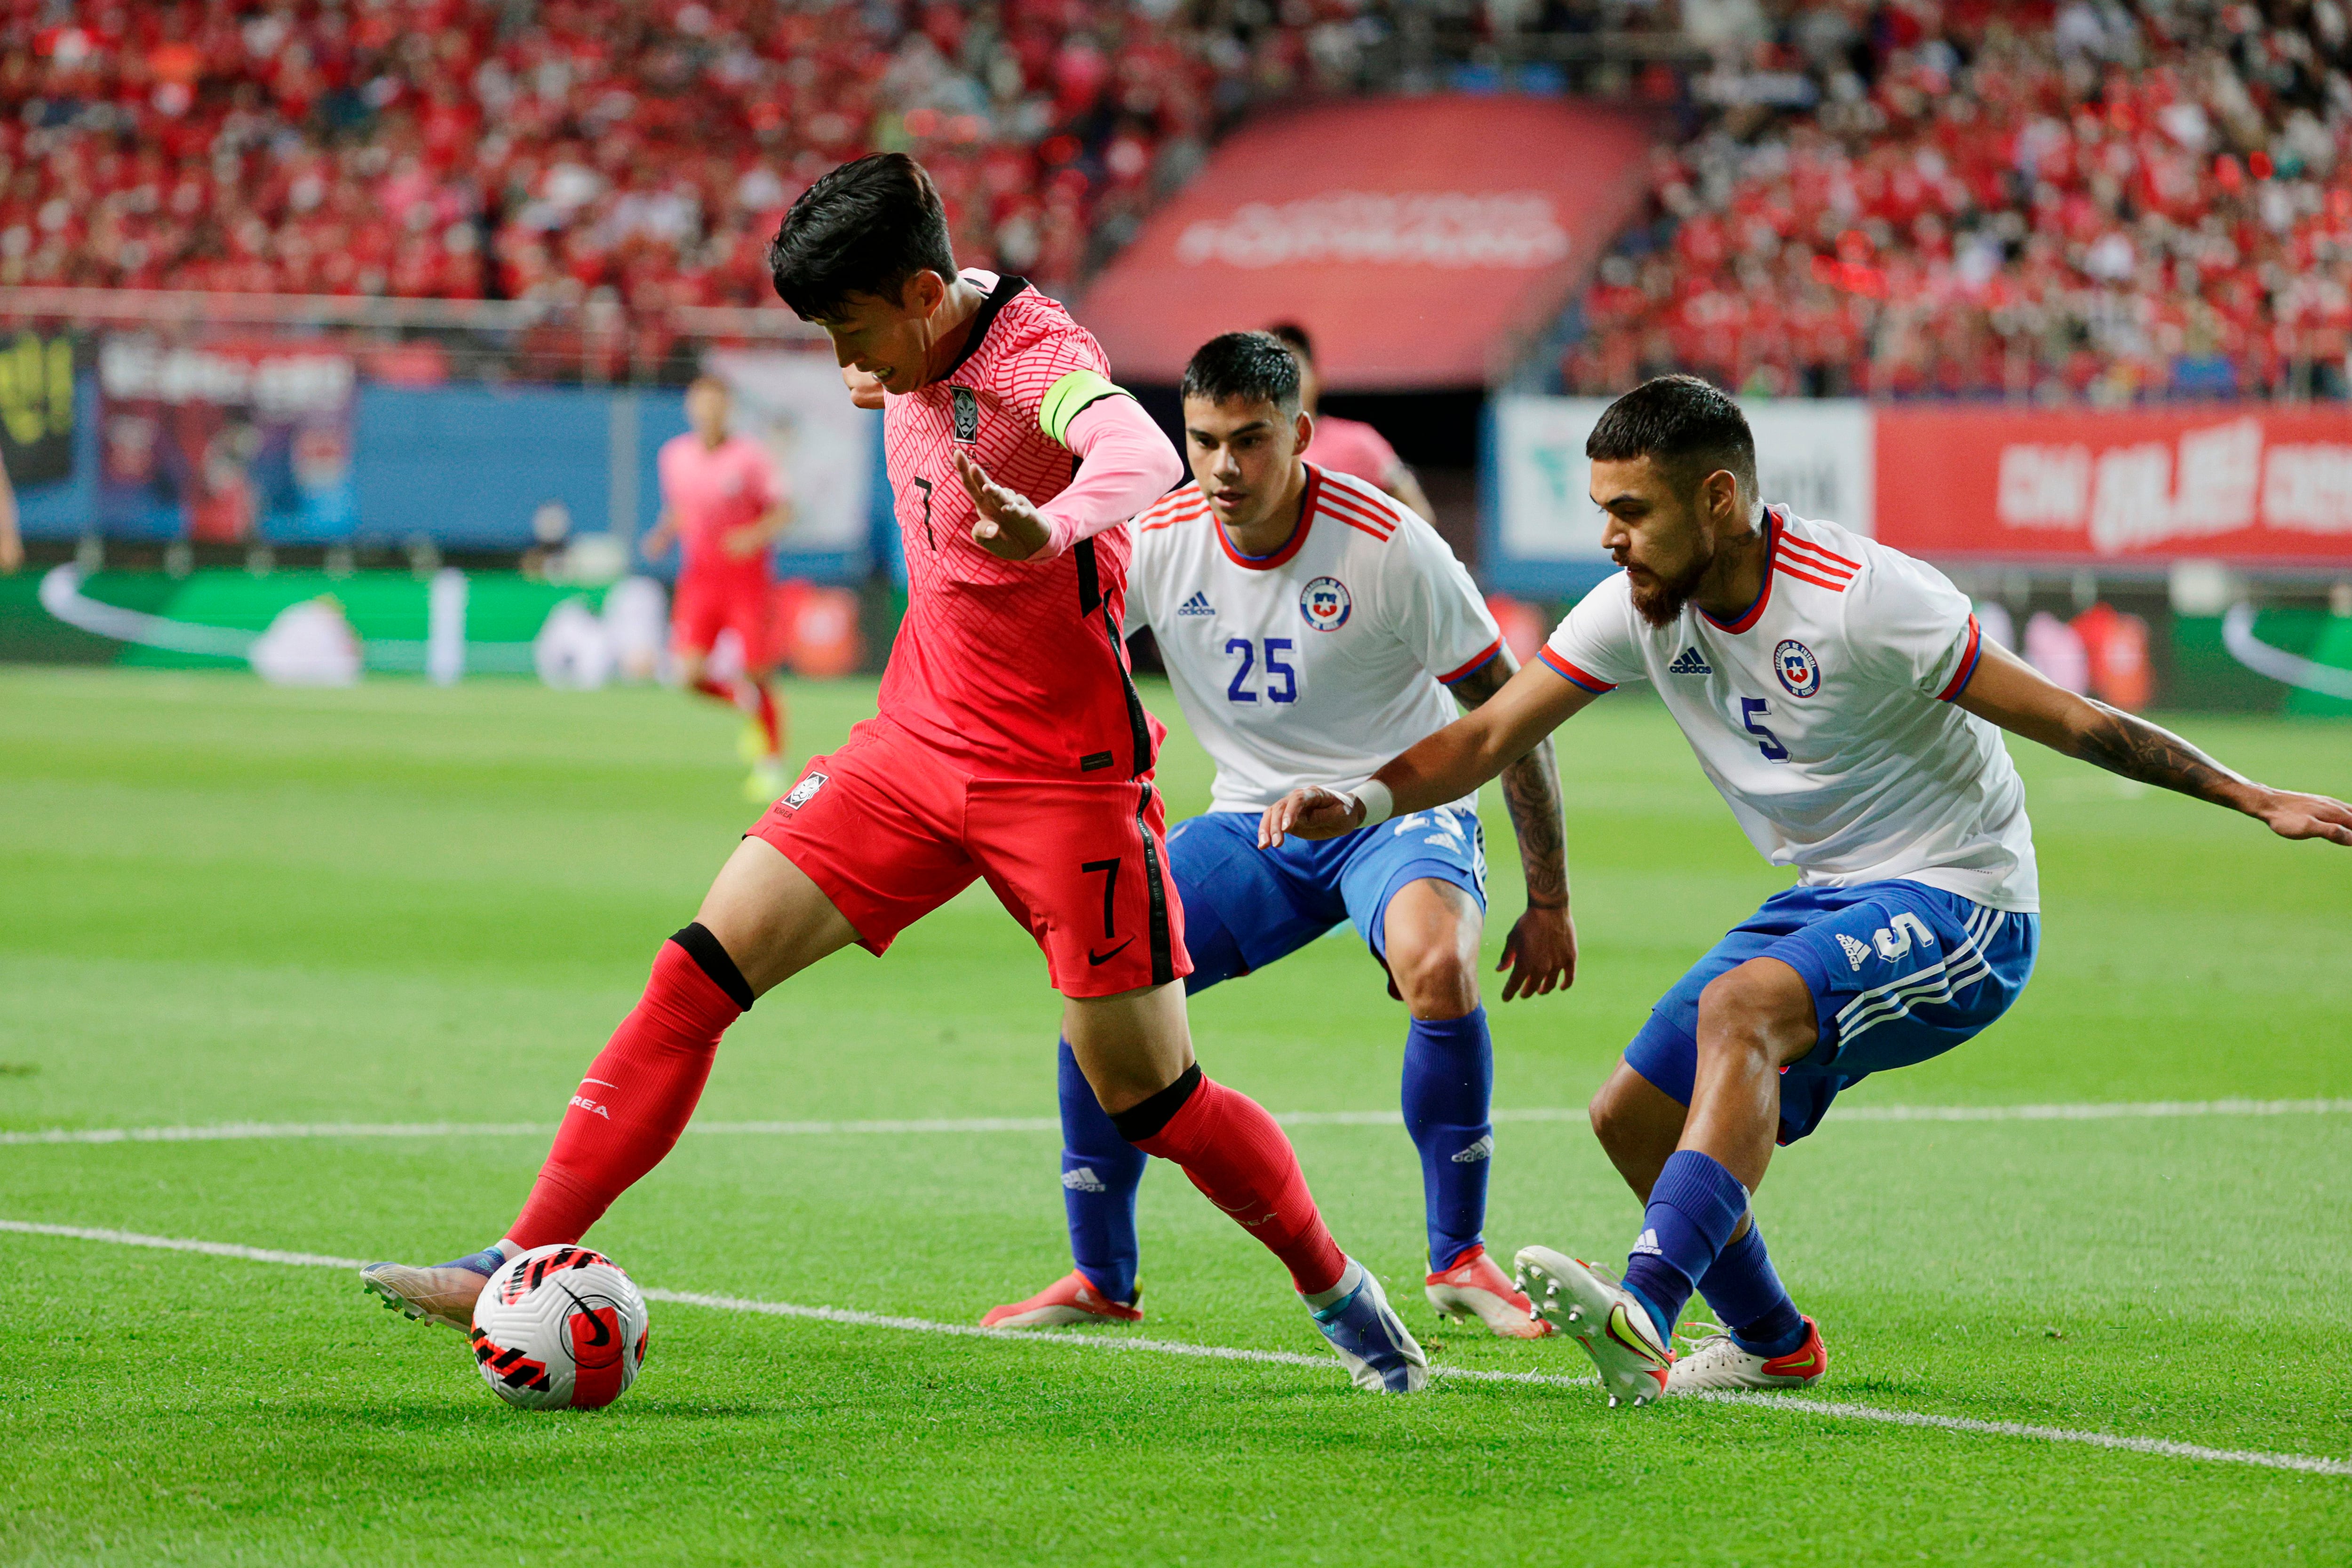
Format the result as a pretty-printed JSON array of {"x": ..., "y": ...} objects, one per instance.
[
  {"x": 1825, "y": 714},
  {"x": 1318, "y": 663}
]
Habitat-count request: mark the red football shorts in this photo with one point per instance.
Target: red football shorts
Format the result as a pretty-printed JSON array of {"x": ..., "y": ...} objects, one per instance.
[
  {"x": 709, "y": 602},
  {"x": 890, "y": 831}
]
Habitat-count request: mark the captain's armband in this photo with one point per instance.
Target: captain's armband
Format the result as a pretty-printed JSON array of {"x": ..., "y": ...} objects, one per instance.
[{"x": 1071, "y": 396}]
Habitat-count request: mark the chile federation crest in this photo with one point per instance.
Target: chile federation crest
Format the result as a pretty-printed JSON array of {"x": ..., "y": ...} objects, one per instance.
[
  {"x": 1800, "y": 672},
  {"x": 1325, "y": 603}
]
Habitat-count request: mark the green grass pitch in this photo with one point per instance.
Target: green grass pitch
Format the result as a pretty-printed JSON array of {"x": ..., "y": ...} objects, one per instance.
[{"x": 222, "y": 904}]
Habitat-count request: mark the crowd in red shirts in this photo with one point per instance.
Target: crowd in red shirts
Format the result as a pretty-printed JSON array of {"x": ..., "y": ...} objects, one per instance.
[
  {"x": 2086, "y": 202},
  {"x": 638, "y": 150}
]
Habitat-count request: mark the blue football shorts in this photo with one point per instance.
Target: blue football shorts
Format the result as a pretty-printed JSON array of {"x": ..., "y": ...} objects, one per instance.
[
  {"x": 1899, "y": 972},
  {"x": 1244, "y": 906}
]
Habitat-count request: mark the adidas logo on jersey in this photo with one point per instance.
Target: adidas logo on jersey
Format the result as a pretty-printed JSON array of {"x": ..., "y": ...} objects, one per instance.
[
  {"x": 1856, "y": 953},
  {"x": 1196, "y": 605},
  {"x": 1083, "y": 1179},
  {"x": 1689, "y": 662},
  {"x": 1483, "y": 1149}
]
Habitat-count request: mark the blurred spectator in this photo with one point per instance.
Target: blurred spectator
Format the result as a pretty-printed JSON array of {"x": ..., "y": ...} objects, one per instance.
[
  {"x": 2091, "y": 202},
  {"x": 637, "y": 152}
]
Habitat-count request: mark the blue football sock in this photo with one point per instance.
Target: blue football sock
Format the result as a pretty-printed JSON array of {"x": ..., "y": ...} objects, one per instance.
[
  {"x": 1749, "y": 1299},
  {"x": 1449, "y": 1083},
  {"x": 1693, "y": 1208},
  {"x": 1100, "y": 1171}
]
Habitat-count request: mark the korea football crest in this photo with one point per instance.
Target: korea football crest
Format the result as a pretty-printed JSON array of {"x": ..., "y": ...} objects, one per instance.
[
  {"x": 1800, "y": 672},
  {"x": 967, "y": 413},
  {"x": 1325, "y": 603}
]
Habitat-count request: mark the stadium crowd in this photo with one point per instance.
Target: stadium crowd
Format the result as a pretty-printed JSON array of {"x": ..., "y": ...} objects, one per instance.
[
  {"x": 2086, "y": 202},
  {"x": 637, "y": 151}
]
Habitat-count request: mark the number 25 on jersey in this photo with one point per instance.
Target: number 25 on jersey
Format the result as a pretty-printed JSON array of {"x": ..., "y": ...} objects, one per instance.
[{"x": 1281, "y": 678}]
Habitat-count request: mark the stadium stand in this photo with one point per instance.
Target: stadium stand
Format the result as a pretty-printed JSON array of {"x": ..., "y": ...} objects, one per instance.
[
  {"x": 2087, "y": 203},
  {"x": 575, "y": 149}
]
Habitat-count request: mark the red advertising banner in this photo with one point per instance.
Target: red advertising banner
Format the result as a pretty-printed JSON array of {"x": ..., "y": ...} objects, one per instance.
[
  {"x": 1414, "y": 239},
  {"x": 2256, "y": 486}
]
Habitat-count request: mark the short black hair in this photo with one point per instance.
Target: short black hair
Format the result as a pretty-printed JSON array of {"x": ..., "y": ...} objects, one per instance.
[
  {"x": 863, "y": 229},
  {"x": 1251, "y": 366},
  {"x": 1685, "y": 424},
  {"x": 1292, "y": 333}
]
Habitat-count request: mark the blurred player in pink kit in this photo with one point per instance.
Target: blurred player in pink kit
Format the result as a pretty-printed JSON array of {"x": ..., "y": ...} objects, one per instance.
[
  {"x": 723, "y": 501},
  {"x": 1348, "y": 445}
]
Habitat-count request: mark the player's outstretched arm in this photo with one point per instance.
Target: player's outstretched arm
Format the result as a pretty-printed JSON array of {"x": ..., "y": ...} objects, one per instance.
[
  {"x": 1445, "y": 767},
  {"x": 2013, "y": 694},
  {"x": 1540, "y": 952}
]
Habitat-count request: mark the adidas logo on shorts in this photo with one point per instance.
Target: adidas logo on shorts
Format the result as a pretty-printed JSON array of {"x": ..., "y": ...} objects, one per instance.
[
  {"x": 1690, "y": 662},
  {"x": 1856, "y": 953},
  {"x": 1196, "y": 605}
]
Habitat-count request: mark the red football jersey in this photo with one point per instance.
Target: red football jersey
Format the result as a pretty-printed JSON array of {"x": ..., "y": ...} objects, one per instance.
[{"x": 1013, "y": 669}]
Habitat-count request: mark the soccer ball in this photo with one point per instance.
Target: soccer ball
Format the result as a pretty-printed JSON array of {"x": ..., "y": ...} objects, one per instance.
[{"x": 560, "y": 1328}]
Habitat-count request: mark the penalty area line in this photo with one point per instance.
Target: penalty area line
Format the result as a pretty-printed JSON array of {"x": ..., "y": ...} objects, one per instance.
[
  {"x": 2160, "y": 1447},
  {"x": 234, "y": 1131}
]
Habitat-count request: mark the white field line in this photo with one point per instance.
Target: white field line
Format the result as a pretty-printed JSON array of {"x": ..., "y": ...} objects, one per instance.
[
  {"x": 2162, "y": 1447},
  {"x": 229, "y": 1132}
]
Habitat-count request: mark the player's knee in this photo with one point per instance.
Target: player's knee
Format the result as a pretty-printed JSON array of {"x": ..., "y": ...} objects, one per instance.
[{"x": 1436, "y": 979}]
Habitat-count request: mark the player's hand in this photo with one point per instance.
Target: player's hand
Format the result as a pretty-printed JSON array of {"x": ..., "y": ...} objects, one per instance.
[
  {"x": 1540, "y": 953},
  {"x": 12, "y": 553},
  {"x": 742, "y": 544},
  {"x": 1010, "y": 527},
  {"x": 1312, "y": 813},
  {"x": 2293, "y": 816},
  {"x": 865, "y": 391}
]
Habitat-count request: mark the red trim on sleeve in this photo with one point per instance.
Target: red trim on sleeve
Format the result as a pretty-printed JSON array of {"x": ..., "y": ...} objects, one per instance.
[
  {"x": 1478, "y": 662},
  {"x": 1566, "y": 671},
  {"x": 1960, "y": 682}
]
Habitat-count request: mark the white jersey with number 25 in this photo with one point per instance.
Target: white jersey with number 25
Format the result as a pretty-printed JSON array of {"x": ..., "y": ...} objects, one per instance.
[
  {"x": 1318, "y": 663},
  {"x": 1825, "y": 714}
]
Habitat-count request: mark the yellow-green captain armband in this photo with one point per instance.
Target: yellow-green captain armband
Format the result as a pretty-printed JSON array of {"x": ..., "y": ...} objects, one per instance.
[{"x": 1070, "y": 397}]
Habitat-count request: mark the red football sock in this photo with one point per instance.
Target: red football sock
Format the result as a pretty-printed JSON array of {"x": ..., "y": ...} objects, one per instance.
[
  {"x": 771, "y": 722},
  {"x": 717, "y": 689},
  {"x": 1240, "y": 1160},
  {"x": 635, "y": 1100}
]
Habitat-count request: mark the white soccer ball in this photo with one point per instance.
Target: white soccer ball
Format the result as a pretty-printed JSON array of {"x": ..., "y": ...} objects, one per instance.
[{"x": 560, "y": 1328}]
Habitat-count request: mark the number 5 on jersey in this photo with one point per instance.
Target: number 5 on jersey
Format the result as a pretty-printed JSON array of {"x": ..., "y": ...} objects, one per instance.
[{"x": 1750, "y": 710}]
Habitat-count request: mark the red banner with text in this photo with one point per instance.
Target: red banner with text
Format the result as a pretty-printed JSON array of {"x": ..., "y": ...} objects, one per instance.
[
  {"x": 2260, "y": 487},
  {"x": 1418, "y": 240}
]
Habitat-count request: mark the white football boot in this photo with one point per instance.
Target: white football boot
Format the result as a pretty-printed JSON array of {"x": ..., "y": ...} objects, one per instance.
[
  {"x": 1603, "y": 1316},
  {"x": 443, "y": 1293},
  {"x": 1717, "y": 1361},
  {"x": 1379, "y": 1353},
  {"x": 1477, "y": 1289}
]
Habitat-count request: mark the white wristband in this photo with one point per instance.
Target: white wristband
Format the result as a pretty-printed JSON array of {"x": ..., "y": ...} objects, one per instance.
[{"x": 1379, "y": 801}]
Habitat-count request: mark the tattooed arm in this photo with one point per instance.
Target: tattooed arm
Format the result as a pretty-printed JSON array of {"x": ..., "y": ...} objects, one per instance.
[
  {"x": 2012, "y": 695},
  {"x": 1541, "y": 950}
]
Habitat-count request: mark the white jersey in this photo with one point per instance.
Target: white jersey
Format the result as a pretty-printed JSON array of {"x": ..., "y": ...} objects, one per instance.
[
  {"x": 1318, "y": 663},
  {"x": 1825, "y": 714}
]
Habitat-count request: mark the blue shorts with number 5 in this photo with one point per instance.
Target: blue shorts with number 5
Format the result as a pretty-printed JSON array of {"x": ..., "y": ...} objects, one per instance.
[
  {"x": 1244, "y": 906},
  {"x": 1899, "y": 972}
]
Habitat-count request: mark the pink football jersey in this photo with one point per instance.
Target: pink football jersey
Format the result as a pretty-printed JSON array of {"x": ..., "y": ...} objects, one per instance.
[{"x": 1013, "y": 669}]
